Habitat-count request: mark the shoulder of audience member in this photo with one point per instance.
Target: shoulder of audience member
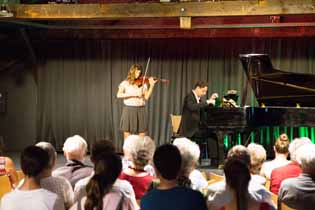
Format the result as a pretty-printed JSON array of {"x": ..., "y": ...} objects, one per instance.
[{"x": 217, "y": 187}]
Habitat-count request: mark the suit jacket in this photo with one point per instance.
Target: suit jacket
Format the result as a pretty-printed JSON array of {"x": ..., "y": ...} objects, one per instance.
[{"x": 191, "y": 115}]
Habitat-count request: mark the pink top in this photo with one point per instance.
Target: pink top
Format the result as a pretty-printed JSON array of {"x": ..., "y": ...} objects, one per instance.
[
  {"x": 140, "y": 184},
  {"x": 111, "y": 201}
]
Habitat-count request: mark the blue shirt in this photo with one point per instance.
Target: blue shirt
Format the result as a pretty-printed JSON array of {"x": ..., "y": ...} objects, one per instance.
[{"x": 177, "y": 198}]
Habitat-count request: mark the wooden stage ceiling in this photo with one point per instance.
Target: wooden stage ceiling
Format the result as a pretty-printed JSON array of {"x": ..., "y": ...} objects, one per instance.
[{"x": 211, "y": 19}]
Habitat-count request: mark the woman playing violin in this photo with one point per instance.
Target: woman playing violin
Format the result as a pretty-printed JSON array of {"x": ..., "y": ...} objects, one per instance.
[{"x": 134, "y": 93}]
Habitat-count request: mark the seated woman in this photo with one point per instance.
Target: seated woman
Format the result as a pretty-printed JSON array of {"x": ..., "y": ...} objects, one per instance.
[
  {"x": 257, "y": 158},
  {"x": 7, "y": 167},
  {"x": 190, "y": 153},
  {"x": 100, "y": 191},
  {"x": 237, "y": 177},
  {"x": 281, "y": 149},
  {"x": 140, "y": 154}
]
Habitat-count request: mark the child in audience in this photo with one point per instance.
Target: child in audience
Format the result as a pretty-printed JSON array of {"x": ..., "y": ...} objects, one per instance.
[
  {"x": 167, "y": 195},
  {"x": 100, "y": 191},
  {"x": 237, "y": 176},
  {"x": 30, "y": 195}
]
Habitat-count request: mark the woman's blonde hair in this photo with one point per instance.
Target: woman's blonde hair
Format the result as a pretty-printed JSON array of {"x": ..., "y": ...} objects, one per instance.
[{"x": 132, "y": 72}]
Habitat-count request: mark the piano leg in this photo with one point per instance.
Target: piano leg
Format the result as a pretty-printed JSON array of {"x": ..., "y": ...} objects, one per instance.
[{"x": 220, "y": 146}]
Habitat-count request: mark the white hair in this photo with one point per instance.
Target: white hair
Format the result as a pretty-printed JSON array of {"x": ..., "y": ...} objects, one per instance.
[
  {"x": 296, "y": 144},
  {"x": 139, "y": 149},
  {"x": 257, "y": 156},
  {"x": 305, "y": 155},
  {"x": 49, "y": 148},
  {"x": 190, "y": 153},
  {"x": 128, "y": 142},
  {"x": 76, "y": 147}
]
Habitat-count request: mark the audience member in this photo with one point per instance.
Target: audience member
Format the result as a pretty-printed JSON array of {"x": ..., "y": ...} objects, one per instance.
[
  {"x": 299, "y": 192},
  {"x": 141, "y": 153},
  {"x": 258, "y": 156},
  {"x": 100, "y": 191},
  {"x": 281, "y": 149},
  {"x": 74, "y": 149},
  {"x": 237, "y": 176},
  {"x": 167, "y": 195},
  {"x": 30, "y": 195},
  {"x": 58, "y": 185},
  {"x": 293, "y": 169},
  {"x": 219, "y": 194},
  {"x": 190, "y": 153},
  {"x": 7, "y": 168},
  {"x": 127, "y": 146},
  {"x": 98, "y": 149}
]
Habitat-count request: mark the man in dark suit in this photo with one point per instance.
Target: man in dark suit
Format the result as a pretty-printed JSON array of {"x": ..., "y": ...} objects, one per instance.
[
  {"x": 193, "y": 103},
  {"x": 190, "y": 121}
]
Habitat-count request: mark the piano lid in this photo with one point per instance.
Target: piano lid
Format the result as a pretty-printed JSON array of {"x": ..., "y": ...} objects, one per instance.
[{"x": 274, "y": 87}]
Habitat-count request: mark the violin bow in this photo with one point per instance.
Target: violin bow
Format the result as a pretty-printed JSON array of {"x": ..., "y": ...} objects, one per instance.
[{"x": 146, "y": 70}]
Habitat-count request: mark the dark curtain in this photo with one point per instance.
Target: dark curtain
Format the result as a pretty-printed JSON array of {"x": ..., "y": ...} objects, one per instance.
[{"x": 78, "y": 80}]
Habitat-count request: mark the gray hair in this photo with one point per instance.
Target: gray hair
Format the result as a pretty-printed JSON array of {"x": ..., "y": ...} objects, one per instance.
[
  {"x": 239, "y": 152},
  {"x": 296, "y": 144},
  {"x": 306, "y": 157},
  {"x": 49, "y": 148},
  {"x": 190, "y": 153},
  {"x": 75, "y": 146},
  {"x": 140, "y": 149},
  {"x": 257, "y": 157}
]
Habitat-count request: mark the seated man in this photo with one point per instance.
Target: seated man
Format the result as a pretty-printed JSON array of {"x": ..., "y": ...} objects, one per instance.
[
  {"x": 74, "y": 149},
  {"x": 167, "y": 195},
  {"x": 299, "y": 192},
  {"x": 293, "y": 169},
  {"x": 190, "y": 121},
  {"x": 30, "y": 195},
  {"x": 59, "y": 185}
]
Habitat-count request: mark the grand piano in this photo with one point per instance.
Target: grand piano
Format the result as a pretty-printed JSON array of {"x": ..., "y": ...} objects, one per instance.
[{"x": 284, "y": 98}]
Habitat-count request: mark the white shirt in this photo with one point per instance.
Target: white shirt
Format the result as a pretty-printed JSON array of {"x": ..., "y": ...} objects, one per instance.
[
  {"x": 133, "y": 90},
  {"x": 268, "y": 167},
  {"x": 209, "y": 101},
  {"x": 197, "y": 180},
  {"x": 61, "y": 187},
  {"x": 219, "y": 194},
  {"x": 39, "y": 199}
]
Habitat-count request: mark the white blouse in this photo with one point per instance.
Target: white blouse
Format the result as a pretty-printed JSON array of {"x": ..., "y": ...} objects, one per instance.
[{"x": 130, "y": 89}]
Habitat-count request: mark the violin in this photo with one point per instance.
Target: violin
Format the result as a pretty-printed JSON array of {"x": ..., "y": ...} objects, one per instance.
[{"x": 140, "y": 81}]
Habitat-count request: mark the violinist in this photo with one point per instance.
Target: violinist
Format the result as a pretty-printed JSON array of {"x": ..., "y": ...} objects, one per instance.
[{"x": 135, "y": 92}]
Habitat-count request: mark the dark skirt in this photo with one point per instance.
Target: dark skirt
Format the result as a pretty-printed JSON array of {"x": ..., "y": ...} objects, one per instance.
[{"x": 134, "y": 119}]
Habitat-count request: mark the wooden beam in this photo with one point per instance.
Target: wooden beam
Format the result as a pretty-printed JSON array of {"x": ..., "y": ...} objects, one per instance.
[
  {"x": 181, "y": 9},
  {"x": 301, "y": 32}
]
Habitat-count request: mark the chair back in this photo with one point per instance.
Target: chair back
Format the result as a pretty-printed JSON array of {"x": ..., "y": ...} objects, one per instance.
[
  {"x": 285, "y": 207},
  {"x": 274, "y": 198},
  {"x": 5, "y": 185},
  {"x": 214, "y": 178},
  {"x": 175, "y": 120},
  {"x": 20, "y": 175}
]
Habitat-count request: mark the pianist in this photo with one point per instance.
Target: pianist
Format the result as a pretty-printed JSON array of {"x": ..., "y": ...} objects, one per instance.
[
  {"x": 193, "y": 103},
  {"x": 190, "y": 127}
]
